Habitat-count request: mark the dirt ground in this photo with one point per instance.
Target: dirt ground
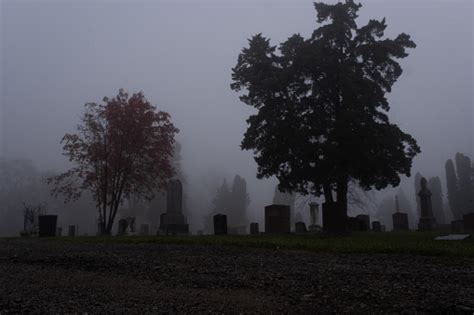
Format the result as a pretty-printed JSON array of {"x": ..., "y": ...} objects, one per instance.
[{"x": 38, "y": 276}]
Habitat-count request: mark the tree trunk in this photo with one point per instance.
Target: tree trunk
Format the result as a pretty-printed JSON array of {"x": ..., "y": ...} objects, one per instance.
[{"x": 335, "y": 211}]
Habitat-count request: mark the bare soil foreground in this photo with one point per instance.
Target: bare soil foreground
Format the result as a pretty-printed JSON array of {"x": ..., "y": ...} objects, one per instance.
[{"x": 45, "y": 276}]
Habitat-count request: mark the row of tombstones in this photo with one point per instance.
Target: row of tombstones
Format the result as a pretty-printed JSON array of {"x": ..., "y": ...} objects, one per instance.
[{"x": 276, "y": 221}]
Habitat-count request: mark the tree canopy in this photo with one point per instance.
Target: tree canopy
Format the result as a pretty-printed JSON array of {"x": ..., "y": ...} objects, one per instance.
[
  {"x": 321, "y": 116},
  {"x": 123, "y": 147}
]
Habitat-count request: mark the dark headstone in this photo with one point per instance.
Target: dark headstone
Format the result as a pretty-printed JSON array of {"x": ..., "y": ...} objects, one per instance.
[
  {"x": 468, "y": 221},
  {"x": 427, "y": 221},
  {"x": 364, "y": 222},
  {"x": 254, "y": 228},
  {"x": 47, "y": 225},
  {"x": 376, "y": 227},
  {"x": 300, "y": 228},
  {"x": 122, "y": 227},
  {"x": 220, "y": 224},
  {"x": 277, "y": 219},
  {"x": 382, "y": 228},
  {"x": 400, "y": 221},
  {"x": 200, "y": 232},
  {"x": 173, "y": 221},
  {"x": 59, "y": 231},
  {"x": 71, "y": 230},
  {"x": 334, "y": 219}
]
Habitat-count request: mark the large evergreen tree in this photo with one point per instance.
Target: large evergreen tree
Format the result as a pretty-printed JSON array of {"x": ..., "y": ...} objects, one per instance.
[
  {"x": 418, "y": 178},
  {"x": 239, "y": 201},
  {"x": 459, "y": 184},
  {"x": 437, "y": 199},
  {"x": 321, "y": 118},
  {"x": 463, "y": 169},
  {"x": 452, "y": 188}
]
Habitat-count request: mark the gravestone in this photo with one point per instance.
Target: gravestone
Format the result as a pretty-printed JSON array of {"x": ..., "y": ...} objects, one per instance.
[
  {"x": 173, "y": 221},
  {"x": 199, "y": 232},
  {"x": 59, "y": 231},
  {"x": 300, "y": 228},
  {"x": 144, "y": 229},
  {"x": 122, "y": 227},
  {"x": 364, "y": 222},
  {"x": 376, "y": 227},
  {"x": 71, "y": 230},
  {"x": 254, "y": 228},
  {"x": 468, "y": 221},
  {"x": 47, "y": 225},
  {"x": 382, "y": 228},
  {"x": 277, "y": 219},
  {"x": 427, "y": 221},
  {"x": 220, "y": 224}
]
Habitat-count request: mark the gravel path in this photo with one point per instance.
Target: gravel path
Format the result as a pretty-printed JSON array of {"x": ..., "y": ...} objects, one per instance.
[{"x": 52, "y": 277}]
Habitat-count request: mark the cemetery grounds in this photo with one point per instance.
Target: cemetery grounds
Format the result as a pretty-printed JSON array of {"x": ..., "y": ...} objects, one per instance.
[{"x": 406, "y": 272}]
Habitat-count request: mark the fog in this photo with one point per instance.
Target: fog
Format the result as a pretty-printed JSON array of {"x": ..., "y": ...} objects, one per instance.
[{"x": 58, "y": 55}]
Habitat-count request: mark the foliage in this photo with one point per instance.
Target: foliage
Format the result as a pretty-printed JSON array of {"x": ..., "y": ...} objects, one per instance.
[
  {"x": 321, "y": 118},
  {"x": 123, "y": 147}
]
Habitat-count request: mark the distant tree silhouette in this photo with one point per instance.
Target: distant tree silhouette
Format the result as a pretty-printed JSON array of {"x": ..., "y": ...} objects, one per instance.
[
  {"x": 459, "y": 183},
  {"x": 434, "y": 184},
  {"x": 418, "y": 178},
  {"x": 321, "y": 118},
  {"x": 452, "y": 187},
  {"x": 231, "y": 201},
  {"x": 239, "y": 201},
  {"x": 406, "y": 206},
  {"x": 222, "y": 200},
  {"x": 123, "y": 148},
  {"x": 463, "y": 169}
]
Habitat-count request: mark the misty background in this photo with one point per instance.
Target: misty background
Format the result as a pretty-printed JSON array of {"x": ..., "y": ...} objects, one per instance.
[{"x": 58, "y": 55}]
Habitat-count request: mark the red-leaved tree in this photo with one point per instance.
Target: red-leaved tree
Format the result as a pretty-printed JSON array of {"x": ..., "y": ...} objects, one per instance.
[{"x": 123, "y": 147}]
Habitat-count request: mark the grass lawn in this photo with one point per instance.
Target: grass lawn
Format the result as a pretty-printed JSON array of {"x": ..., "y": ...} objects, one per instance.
[{"x": 406, "y": 243}]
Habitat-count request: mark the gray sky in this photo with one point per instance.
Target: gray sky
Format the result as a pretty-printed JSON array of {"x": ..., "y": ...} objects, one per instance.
[{"x": 57, "y": 55}]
